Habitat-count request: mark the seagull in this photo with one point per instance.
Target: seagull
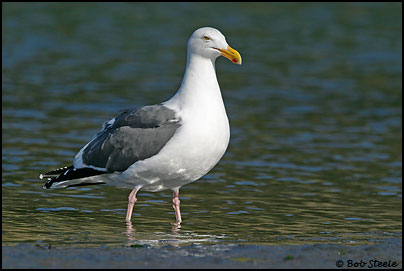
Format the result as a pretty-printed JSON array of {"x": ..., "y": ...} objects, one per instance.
[{"x": 162, "y": 146}]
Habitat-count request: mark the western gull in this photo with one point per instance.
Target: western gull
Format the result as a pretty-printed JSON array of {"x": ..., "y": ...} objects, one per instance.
[{"x": 161, "y": 146}]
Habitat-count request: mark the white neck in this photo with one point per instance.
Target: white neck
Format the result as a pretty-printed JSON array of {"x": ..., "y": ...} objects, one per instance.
[{"x": 199, "y": 86}]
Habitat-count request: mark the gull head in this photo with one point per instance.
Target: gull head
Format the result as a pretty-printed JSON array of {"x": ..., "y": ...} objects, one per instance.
[{"x": 209, "y": 43}]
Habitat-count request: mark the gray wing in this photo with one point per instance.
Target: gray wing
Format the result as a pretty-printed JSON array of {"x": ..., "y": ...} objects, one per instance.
[{"x": 132, "y": 136}]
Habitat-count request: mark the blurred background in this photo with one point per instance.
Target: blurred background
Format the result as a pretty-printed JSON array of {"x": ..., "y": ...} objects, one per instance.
[{"x": 315, "y": 113}]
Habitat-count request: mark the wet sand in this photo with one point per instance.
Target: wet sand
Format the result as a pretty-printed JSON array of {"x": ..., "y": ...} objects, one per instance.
[{"x": 387, "y": 254}]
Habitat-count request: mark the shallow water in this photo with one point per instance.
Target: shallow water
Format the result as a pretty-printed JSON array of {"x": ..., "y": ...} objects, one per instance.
[{"x": 315, "y": 113}]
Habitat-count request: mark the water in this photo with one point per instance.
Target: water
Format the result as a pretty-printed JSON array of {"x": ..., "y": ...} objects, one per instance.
[{"x": 315, "y": 112}]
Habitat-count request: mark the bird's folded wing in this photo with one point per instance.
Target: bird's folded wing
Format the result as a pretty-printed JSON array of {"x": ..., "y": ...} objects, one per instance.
[{"x": 132, "y": 136}]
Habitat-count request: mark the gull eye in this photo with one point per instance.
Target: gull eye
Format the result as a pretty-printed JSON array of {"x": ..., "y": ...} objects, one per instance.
[{"x": 205, "y": 38}]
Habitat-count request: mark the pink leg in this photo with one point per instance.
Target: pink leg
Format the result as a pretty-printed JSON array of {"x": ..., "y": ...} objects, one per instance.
[
  {"x": 131, "y": 202},
  {"x": 176, "y": 206}
]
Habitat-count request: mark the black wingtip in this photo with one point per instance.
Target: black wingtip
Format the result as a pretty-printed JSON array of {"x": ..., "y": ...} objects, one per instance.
[
  {"x": 47, "y": 185},
  {"x": 69, "y": 173},
  {"x": 53, "y": 175}
]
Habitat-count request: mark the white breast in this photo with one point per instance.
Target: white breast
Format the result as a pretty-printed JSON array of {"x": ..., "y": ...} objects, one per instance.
[
  {"x": 196, "y": 147},
  {"x": 200, "y": 141}
]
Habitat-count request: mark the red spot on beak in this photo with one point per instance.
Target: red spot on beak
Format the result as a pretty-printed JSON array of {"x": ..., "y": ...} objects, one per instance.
[{"x": 234, "y": 60}]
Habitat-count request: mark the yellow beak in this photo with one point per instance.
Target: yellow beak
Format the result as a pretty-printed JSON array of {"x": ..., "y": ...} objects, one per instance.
[{"x": 231, "y": 54}]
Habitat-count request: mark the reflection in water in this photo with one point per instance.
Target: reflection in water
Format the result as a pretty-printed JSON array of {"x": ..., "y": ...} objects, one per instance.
[
  {"x": 175, "y": 238},
  {"x": 175, "y": 227},
  {"x": 130, "y": 231}
]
